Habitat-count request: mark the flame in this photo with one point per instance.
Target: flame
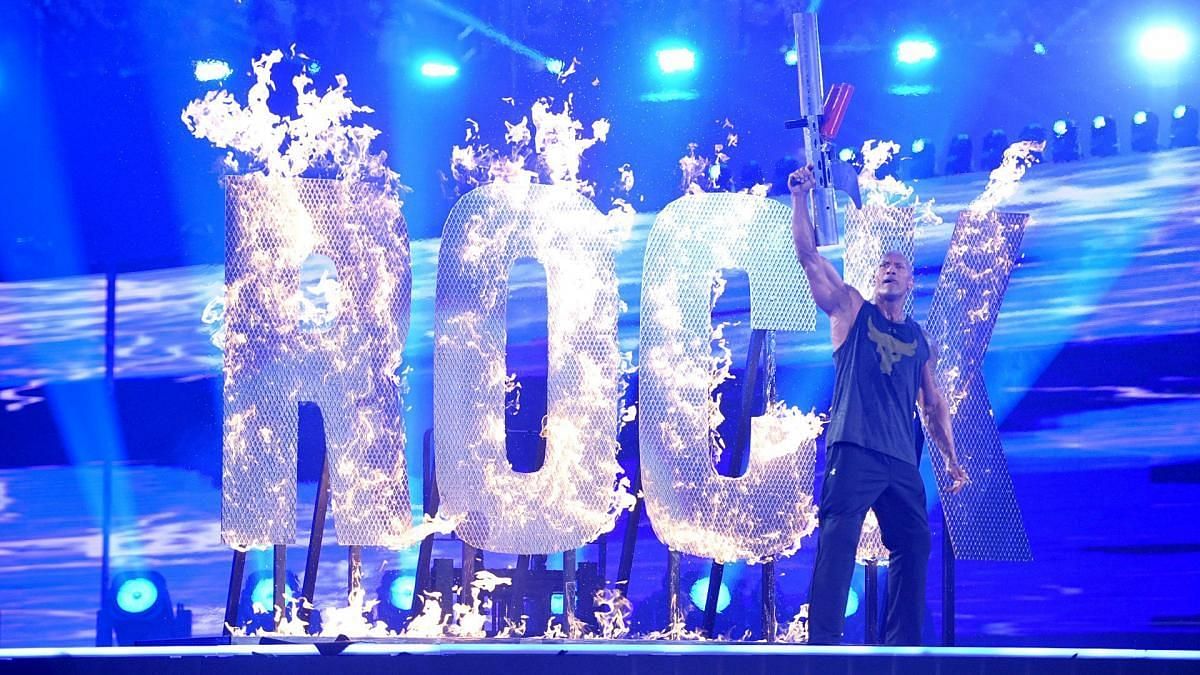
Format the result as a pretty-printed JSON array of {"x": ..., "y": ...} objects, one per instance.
[
  {"x": 1005, "y": 179},
  {"x": 797, "y": 630},
  {"x": 560, "y": 146},
  {"x": 614, "y": 621},
  {"x": 890, "y": 192},
  {"x": 694, "y": 169},
  {"x": 430, "y": 623},
  {"x": 214, "y": 317},
  {"x": 316, "y": 139},
  {"x": 557, "y": 149}
]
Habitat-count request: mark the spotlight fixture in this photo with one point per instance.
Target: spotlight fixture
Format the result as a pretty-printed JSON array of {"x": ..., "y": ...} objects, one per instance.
[
  {"x": 958, "y": 160},
  {"x": 699, "y": 595},
  {"x": 1184, "y": 133},
  {"x": 439, "y": 70},
  {"x": 1065, "y": 146},
  {"x": 395, "y": 594},
  {"x": 994, "y": 145},
  {"x": 256, "y": 606},
  {"x": 913, "y": 50},
  {"x": 137, "y": 608},
  {"x": 1143, "y": 131},
  {"x": 919, "y": 163},
  {"x": 1104, "y": 136},
  {"x": 675, "y": 59},
  {"x": 1033, "y": 132}
]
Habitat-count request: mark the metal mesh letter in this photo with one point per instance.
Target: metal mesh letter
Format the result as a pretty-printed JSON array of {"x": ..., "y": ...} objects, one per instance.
[
  {"x": 349, "y": 367},
  {"x": 575, "y": 496},
  {"x": 765, "y": 513},
  {"x": 984, "y": 518}
]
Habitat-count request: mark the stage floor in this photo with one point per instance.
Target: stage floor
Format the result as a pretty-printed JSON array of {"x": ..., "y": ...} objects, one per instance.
[{"x": 531, "y": 657}]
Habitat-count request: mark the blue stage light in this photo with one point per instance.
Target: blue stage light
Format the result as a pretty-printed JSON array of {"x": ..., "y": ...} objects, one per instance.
[
  {"x": 1065, "y": 147},
  {"x": 1144, "y": 132},
  {"x": 401, "y": 592},
  {"x": 439, "y": 70},
  {"x": 1185, "y": 127},
  {"x": 314, "y": 67},
  {"x": 669, "y": 95},
  {"x": 263, "y": 594},
  {"x": 673, "y": 60},
  {"x": 958, "y": 159},
  {"x": 846, "y": 154},
  {"x": 211, "y": 70},
  {"x": 699, "y": 595},
  {"x": 1104, "y": 136},
  {"x": 994, "y": 145},
  {"x": 137, "y": 607},
  {"x": 1165, "y": 43},
  {"x": 136, "y": 595},
  {"x": 556, "y": 603},
  {"x": 911, "y": 51},
  {"x": 1039, "y": 49},
  {"x": 555, "y": 66},
  {"x": 910, "y": 89},
  {"x": 790, "y": 57},
  {"x": 851, "y": 603},
  {"x": 921, "y": 163}
]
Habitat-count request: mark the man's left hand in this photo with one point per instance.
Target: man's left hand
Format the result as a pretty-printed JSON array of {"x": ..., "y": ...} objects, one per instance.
[{"x": 958, "y": 475}]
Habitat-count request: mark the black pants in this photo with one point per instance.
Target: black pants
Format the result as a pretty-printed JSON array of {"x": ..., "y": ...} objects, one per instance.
[{"x": 857, "y": 479}]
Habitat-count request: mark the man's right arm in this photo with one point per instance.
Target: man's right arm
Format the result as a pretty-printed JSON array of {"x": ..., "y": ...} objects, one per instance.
[{"x": 830, "y": 292}]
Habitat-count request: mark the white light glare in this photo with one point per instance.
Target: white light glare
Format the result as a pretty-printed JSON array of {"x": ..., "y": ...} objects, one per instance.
[
  {"x": 915, "y": 50},
  {"x": 438, "y": 70},
  {"x": 1164, "y": 44},
  {"x": 212, "y": 70},
  {"x": 676, "y": 60}
]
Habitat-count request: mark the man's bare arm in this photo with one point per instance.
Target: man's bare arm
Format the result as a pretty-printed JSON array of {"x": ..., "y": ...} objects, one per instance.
[
  {"x": 936, "y": 415},
  {"x": 831, "y": 293}
]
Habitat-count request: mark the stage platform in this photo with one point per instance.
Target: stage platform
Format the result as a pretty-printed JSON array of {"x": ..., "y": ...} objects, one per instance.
[{"x": 532, "y": 657}]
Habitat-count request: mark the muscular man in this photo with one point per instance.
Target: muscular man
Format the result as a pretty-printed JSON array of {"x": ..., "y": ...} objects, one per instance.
[{"x": 884, "y": 370}]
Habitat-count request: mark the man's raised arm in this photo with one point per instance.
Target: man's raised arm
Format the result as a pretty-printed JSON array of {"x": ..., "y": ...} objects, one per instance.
[{"x": 832, "y": 294}]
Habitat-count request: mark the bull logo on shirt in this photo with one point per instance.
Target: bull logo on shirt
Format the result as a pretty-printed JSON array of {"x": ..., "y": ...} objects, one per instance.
[{"x": 890, "y": 348}]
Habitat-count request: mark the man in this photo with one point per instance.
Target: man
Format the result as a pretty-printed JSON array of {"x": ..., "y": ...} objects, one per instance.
[{"x": 884, "y": 370}]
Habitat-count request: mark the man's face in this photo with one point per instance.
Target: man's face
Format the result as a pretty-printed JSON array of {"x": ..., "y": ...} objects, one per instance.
[{"x": 893, "y": 278}]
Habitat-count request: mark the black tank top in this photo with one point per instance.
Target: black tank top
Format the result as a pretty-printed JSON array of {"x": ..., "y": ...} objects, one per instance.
[{"x": 877, "y": 376}]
